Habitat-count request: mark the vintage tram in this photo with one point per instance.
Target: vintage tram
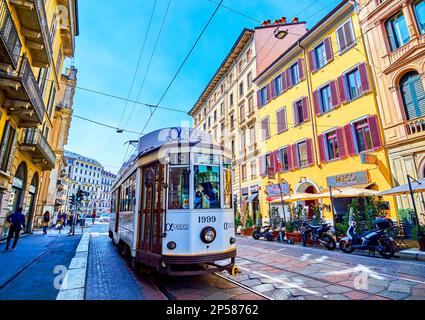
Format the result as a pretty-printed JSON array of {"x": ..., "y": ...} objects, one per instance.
[{"x": 172, "y": 204}]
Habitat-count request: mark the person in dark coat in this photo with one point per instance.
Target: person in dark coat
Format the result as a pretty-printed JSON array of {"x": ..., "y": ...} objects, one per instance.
[{"x": 17, "y": 223}]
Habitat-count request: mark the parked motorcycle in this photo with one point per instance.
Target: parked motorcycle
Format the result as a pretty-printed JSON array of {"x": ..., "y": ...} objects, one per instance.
[
  {"x": 374, "y": 240},
  {"x": 263, "y": 232},
  {"x": 318, "y": 234}
]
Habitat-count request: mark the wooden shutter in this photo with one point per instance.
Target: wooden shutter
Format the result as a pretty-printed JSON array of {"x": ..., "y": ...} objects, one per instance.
[
  {"x": 334, "y": 93},
  {"x": 277, "y": 161},
  {"x": 290, "y": 160},
  {"x": 301, "y": 68},
  {"x": 289, "y": 78},
  {"x": 284, "y": 82},
  {"x": 272, "y": 162},
  {"x": 4, "y": 145},
  {"x": 321, "y": 139},
  {"x": 262, "y": 164},
  {"x": 273, "y": 88},
  {"x": 12, "y": 150},
  {"x": 309, "y": 147},
  {"x": 328, "y": 48},
  {"x": 312, "y": 62},
  {"x": 259, "y": 104},
  {"x": 375, "y": 133},
  {"x": 281, "y": 120},
  {"x": 295, "y": 164},
  {"x": 265, "y": 128},
  {"x": 349, "y": 139},
  {"x": 364, "y": 78},
  {"x": 269, "y": 91},
  {"x": 317, "y": 104},
  {"x": 342, "y": 89},
  {"x": 341, "y": 144},
  {"x": 306, "y": 114},
  {"x": 295, "y": 113}
]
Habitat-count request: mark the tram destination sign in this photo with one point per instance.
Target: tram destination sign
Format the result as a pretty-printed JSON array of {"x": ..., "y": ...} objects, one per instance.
[{"x": 348, "y": 179}]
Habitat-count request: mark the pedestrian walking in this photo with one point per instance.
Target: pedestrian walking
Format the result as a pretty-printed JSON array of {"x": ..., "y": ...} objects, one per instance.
[
  {"x": 60, "y": 222},
  {"x": 93, "y": 217},
  {"x": 17, "y": 223},
  {"x": 70, "y": 219},
  {"x": 46, "y": 220}
]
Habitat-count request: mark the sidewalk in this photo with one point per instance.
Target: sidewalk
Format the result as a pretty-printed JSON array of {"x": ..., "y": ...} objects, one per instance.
[{"x": 29, "y": 271}]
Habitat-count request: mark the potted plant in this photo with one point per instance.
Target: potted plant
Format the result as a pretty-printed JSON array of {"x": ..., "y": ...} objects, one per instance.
[
  {"x": 291, "y": 231},
  {"x": 419, "y": 235},
  {"x": 406, "y": 218},
  {"x": 248, "y": 229},
  {"x": 275, "y": 221}
]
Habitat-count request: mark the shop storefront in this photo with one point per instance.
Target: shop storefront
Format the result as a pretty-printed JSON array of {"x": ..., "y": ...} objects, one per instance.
[
  {"x": 254, "y": 204},
  {"x": 30, "y": 203}
]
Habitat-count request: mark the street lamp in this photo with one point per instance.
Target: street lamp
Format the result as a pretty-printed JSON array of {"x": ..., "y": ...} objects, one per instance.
[{"x": 280, "y": 34}]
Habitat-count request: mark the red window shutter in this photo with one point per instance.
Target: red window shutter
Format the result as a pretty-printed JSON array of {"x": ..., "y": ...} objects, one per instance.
[
  {"x": 295, "y": 164},
  {"x": 272, "y": 162},
  {"x": 288, "y": 78},
  {"x": 306, "y": 114},
  {"x": 364, "y": 78},
  {"x": 290, "y": 161},
  {"x": 334, "y": 93},
  {"x": 312, "y": 61},
  {"x": 269, "y": 92},
  {"x": 259, "y": 99},
  {"x": 277, "y": 162},
  {"x": 273, "y": 89},
  {"x": 322, "y": 148},
  {"x": 349, "y": 140},
  {"x": 341, "y": 144},
  {"x": 342, "y": 89},
  {"x": 262, "y": 165},
  {"x": 301, "y": 68},
  {"x": 279, "y": 121},
  {"x": 309, "y": 152},
  {"x": 328, "y": 48},
  {"x": 295, "y": 113},
  {"x": 316, "y": 99},
  {"x": 284, "y": 82},
  {"x": 375, "y": 133}
]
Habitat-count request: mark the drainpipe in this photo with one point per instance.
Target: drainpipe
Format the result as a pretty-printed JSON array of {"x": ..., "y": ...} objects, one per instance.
[{"x": 310, "y": 101}]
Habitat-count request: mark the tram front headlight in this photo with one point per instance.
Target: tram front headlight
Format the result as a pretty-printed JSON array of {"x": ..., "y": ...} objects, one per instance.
[{"x": 208, "y": 234}]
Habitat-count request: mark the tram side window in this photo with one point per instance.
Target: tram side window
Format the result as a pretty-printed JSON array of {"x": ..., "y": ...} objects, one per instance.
[
  {"x": 128, "y": 194},
  {"x": 178, "y": 197},
  {"x": 207, "y": 187}
]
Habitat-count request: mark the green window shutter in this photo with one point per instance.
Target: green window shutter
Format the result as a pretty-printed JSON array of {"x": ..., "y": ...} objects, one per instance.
[
  {"x": 14, "y": 138},
  {"x": 4, "y": 146}
]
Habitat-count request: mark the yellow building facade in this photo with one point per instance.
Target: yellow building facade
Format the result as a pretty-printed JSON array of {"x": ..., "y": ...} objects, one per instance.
[
  {"x": 36, "y": 37},
  {"x": 319, "y": 122}
]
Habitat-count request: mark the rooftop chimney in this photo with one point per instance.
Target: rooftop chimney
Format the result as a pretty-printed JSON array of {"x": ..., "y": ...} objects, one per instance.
[{"x": 295, "y": 20}]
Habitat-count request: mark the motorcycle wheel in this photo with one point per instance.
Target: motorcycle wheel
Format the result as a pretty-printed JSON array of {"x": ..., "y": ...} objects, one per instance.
[
  {"x": 256, "y": 235},
  {"x": 269, "y": 237},
  {"x": 388, "y": 251},
  {"x": 304, "y": 239},
  {"x": 346, "y": 247},
  {"x": 330, "y": 242}
]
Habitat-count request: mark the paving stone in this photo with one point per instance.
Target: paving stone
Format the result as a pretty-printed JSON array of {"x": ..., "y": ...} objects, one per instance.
[
  {"x": 280, "y": 294},
  {"x": 399, "y": 288},
  {"x": 418, "y": 292},
  {"x": 74, "y": 294},
  {"x": 263, "y": 288},
  {"x": 336, "y": 297},
  {"x": 337, "y": 289},
  {"x": 356, "y": 295},
  {"x": 251, "y": 283},
  {"x": 394, "y": 295},
  {"x": 78, "y": 263}
]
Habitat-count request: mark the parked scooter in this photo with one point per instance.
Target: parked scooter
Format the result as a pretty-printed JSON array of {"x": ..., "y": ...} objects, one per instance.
[
  {"x": 318, "y": 234},
  {"x": 263, "y": 232},
  {"x": 377, "y": 239}
]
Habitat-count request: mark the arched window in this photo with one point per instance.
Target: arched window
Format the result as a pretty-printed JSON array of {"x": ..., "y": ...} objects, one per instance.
[{"x": 413, "y": 94}]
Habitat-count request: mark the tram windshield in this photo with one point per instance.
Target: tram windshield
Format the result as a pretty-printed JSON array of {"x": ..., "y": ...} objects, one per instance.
[
  {"x": 179, "y": 188},
  {"x": 207, "y": 187}
]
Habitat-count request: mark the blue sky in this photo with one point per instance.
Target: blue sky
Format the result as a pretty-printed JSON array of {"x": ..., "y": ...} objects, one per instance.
[{"x": 110, "y": 41}]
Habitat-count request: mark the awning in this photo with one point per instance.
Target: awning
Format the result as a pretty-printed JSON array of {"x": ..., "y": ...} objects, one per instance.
[
  {"x": 404, "y": 189},
  {"x": 252, "y": 197},
  {"x": 348, "y": 192},
  {"x": 296, "y": 197}
]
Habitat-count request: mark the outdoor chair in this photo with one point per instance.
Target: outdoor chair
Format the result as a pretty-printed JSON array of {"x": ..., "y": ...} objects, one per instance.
[{"x": 397, "y": 233}]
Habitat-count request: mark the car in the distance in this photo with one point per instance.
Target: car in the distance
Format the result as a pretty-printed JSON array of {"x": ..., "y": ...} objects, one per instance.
[{"x": 104, "y": 217}]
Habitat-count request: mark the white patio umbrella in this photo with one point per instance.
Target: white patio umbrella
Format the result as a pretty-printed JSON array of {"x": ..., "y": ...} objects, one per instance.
[{"x": 417, "y": 187}]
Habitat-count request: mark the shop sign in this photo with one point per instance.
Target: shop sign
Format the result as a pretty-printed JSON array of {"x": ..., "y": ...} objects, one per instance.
[
  {"x": 348, "y": 179},
  {"x": 277, "y": 189},
  {"x": 253, "y": 189},
  {"x": 244, "y": 191}
]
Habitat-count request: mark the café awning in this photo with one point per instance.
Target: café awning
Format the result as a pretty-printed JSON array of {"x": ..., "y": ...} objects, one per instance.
[
  {"x": 348, "y": 192},
  {"x": 296, "y": 197},
  {"x": 417, "y": 187}
]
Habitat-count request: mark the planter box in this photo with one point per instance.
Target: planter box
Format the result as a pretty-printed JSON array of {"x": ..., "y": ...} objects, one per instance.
[
  {"x": 294, "y": 236},
  {"x": 247, "y": 232}
]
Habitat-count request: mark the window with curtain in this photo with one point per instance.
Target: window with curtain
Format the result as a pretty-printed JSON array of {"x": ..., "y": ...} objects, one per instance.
[
  {"x": 398, "y": 34},
  {"x": 413, "y": 95}
]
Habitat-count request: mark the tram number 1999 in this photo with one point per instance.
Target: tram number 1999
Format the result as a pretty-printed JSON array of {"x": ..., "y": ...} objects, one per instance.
[{"x": 207, "y": 219}]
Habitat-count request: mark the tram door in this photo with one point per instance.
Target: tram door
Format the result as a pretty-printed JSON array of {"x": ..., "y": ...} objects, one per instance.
[{"x": 153, "y": 207}]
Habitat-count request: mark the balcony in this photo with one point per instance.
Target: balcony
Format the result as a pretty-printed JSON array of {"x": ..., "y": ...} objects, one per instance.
[
  {"x": 67, "y": 28},
  {"x": 404, "y": 51},
  {"x": 10, "y": 44},
  {"x": 32, "y": 17},
  {"x": 35, "y": 144},
  {"x": 23, "y": 97},
  {"x": 415, "y": 126}
]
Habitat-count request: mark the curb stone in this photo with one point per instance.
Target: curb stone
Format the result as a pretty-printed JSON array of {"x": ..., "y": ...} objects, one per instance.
[{"x": 73, "y": 288}]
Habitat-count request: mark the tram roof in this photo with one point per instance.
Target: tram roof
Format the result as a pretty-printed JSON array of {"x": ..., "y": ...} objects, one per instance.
[{"x": 159, "y": 138}]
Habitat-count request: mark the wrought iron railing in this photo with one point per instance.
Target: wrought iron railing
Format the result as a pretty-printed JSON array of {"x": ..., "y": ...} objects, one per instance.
[
  {"x": 42, "y": 19},
  {"x": 31, "y": 87},
  {"x": 415, "y": 126},
  {"x": 34, "y": 137},
  {"x": 9, "y": 34}
]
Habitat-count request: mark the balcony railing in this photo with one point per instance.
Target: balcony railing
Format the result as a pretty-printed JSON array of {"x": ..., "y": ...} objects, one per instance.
[
  {"x": 394, "y": 56},
  {"x": 33, "y": 20},
  {"x": 9, "y": 53},
  {"x": 415, "y": 126},
  {"x": 23, "y": 96},
  {"x": 36, "y": 144}
]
